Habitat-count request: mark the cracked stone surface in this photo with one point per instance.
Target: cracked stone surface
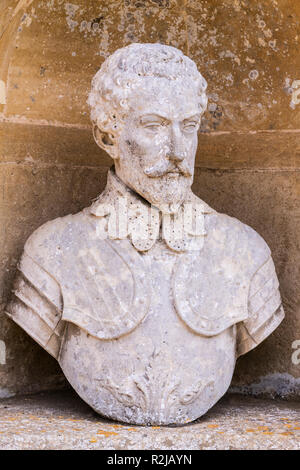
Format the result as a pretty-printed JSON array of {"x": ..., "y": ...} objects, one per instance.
[{"x": 61, "y": 420}]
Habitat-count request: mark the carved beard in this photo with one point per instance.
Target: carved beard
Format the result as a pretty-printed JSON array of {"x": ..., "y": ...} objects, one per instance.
[{"x": 165, "y": 189}]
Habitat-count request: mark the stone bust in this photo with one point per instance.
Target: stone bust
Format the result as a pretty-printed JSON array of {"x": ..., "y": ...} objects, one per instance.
[{"x": 147, "y": 297}]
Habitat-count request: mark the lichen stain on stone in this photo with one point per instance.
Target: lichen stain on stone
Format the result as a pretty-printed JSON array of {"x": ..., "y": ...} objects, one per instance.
[
  {"x": 71, "y": 10},
  {"x": 2, "y": 92},
  {"x": 107, "y": 433},
  {"x": 278, "y": 384},
  {"x": 2, "y": 353},
  {"x": 295, "y": 94},
  {"x": 6, "y": 393}
]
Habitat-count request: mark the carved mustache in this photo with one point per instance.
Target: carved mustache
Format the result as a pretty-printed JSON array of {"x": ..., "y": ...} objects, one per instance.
[{"x": 163, "y": 167}]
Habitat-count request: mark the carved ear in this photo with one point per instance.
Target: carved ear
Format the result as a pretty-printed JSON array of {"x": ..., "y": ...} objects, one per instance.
[{"x": 105, "y": 141}]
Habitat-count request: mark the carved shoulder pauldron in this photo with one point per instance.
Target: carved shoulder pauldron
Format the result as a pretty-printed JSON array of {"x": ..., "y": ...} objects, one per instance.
[
  {"x": 108, "y": 294},
  {"x": 208, "y": 297}
]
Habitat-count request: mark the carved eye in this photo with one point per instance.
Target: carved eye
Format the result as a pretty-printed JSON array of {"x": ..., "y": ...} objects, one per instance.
[
  {"x": 153, "y": 126},
  {"x": 191, "y": 126}
]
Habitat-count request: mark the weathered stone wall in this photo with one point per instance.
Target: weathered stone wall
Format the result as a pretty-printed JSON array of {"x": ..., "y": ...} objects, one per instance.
[{"x": 249, "y": 147}]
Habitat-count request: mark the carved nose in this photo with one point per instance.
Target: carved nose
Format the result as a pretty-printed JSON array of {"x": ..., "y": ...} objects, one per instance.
[{"x": 176, "y": 153}]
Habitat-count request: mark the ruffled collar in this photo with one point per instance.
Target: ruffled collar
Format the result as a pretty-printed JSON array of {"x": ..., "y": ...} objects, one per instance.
[{"x": 131, "y": 216}]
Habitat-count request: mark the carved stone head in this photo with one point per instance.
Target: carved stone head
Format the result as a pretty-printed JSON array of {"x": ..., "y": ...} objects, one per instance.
[{"x": 146, "y": 105}]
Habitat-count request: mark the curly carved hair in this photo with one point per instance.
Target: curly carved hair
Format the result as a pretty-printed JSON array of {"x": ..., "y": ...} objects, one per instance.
[{"x": 122, "y": 72}]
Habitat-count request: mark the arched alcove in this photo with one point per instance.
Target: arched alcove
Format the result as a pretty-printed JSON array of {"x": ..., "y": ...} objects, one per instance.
[{"x": 248, "y": 157}]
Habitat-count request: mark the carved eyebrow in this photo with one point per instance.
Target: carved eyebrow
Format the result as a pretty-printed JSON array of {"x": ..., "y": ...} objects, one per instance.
[{"x": 195, "y": 117}]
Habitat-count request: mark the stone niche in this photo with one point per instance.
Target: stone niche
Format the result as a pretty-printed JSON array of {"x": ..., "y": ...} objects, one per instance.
[{"x": 248, "y": 155}]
